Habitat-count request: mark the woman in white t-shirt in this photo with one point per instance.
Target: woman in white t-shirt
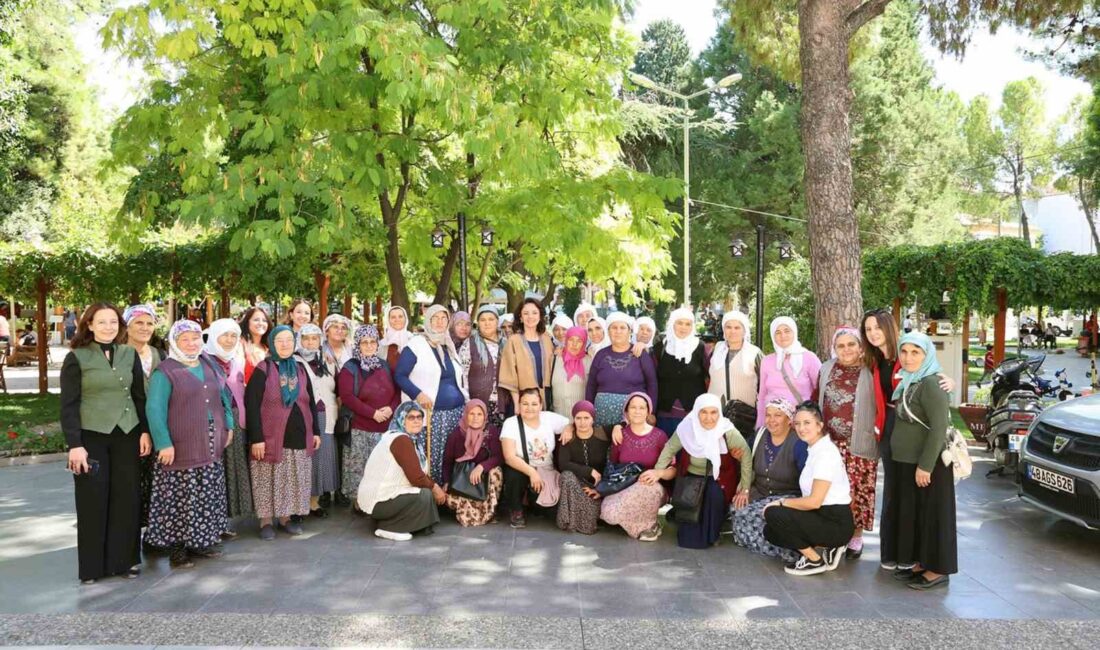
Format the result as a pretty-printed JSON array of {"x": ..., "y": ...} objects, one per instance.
[
  {"x": 530, "y": 466},
  {"x": 822, "y": 516}
]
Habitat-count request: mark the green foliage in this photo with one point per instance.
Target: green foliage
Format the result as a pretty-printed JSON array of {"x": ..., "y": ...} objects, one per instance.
[
  {"x": 788, "y": 292},
  {"x": 664, "y": 55}
]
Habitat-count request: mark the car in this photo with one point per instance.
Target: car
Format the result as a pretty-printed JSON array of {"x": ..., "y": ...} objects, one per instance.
[{"x": 1059, "y": 467}]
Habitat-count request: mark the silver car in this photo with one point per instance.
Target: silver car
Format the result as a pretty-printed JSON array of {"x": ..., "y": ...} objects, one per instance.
[{"x": 1060, "y": 461}]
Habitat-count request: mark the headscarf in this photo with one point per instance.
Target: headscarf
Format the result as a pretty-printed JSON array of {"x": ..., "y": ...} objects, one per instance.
[
  {"x": 214, "y": 332},
  {"x": 705, "y": 443},
  {"x": 680, "y": 348},
  {"x": 314, "y": 358},
  {"x": 585, "y": 406},
  {"x": 596, "y": 347},
  {"x": 615, "y": 317},
  {"x": 397, "y": 423},
  {"x": 637, "y": 393},
  {"x": 174, "y": 352},
  {"x": 133, "y": 311},
  {"x": 563, "y": 321},
  {"x": 782, "y": 404},
  {"x": 438, "y": 339},
  {"x": 794, "y": 350},
  {"x": 930, "y": 366},
  {"x": 749, "y": 352},
  {"x": 398, "y": 337},
  {"x": 479, "y": 341},
  {"x": 369, "y": 363},
  {"x": 845, "y": 330},
  {"x": 455, "y": 320},
  {"x": 652, "y": 324},
  {"x": 581, "y": 308},
  {"x": 326, "y": 348},
  {"x": 474, "y": 437},
  {"x": 287, "y": 366},
  {"x": 332, "y": 319},
  {"x": 574, "y": 363}
]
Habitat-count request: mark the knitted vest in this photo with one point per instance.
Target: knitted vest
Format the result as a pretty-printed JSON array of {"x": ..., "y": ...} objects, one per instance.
[
  {"x": 105, "y": 401},
  {"x": 194, "y": 403},
  {"x": 864, "y": 443},
  {"x": 483, "y": 376},
  {"x": 781, "y": 477},
  {"x": 274, "y": 414},
  {"x": 383, "y": 478}
]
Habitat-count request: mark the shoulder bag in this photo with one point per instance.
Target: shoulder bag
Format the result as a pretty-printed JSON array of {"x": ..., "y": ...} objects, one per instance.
[
  {"x": 687, "y": 496},
  {"x": 955, "y": 454},
  {"x": 463, "y": 487},
  {"x": 742, "y": 415},
  {"x": 342, "y": 428},
  {"x": 617, "y": 477}
]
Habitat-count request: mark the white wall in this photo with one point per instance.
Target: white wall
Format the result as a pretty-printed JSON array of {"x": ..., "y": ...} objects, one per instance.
[{"x": 1063, "y": 224}]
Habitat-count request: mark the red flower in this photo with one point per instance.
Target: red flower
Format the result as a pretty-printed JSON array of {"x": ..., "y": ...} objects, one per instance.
[{"x": 12, "y": 435}]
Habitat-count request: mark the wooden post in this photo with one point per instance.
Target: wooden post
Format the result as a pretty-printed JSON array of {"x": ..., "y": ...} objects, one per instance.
[
  {"x": 999, "y": 326},
  {"x": 366, "y": 311},
  {"x": 223, "y": 309},
  {"x": 897, "y": 304},
  {"x": 209, "y": 310},
  {"x": 322, "y": 280},
  {"x": 966, "y": 358},
  {"x": 42, "y": 349},
  {"x": 347, "y": 305},
  {"x": 378, "y": 314}
]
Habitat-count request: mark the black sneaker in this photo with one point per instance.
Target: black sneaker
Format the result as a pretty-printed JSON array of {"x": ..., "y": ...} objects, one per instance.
[
  {"x": 179, "y": 559},
  {"x": 832, "y": 556},
  {"x": 342, "y": 500},
  {"x": 807, "y": 567},
  {"x": 325, "y": 500},
  {"x": 517, "y": 519}
]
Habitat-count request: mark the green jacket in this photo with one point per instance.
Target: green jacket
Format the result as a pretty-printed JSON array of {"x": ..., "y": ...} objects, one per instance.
[
  {"x": 916, "y": 443},
  {"x": 105, "y": 398}
]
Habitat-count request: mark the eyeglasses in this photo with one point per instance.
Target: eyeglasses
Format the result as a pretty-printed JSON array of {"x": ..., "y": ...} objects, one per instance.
[{"x": 414, "y": 416}]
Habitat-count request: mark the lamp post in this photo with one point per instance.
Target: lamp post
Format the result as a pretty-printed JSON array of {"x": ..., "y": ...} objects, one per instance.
[
  {"x": 646, "y": 82},
  {"x": 438, "y": 237},
  {"x": 737, "y": 250}
]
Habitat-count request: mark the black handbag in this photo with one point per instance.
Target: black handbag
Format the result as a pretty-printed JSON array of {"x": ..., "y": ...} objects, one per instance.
[
  {"x": 342, "y": 428},
  {"x": 687, "y": 497},
  {"x": 618, "y": 477},
  {"x": 741, "y": 414},
  {"x": 463, "y": 487}
]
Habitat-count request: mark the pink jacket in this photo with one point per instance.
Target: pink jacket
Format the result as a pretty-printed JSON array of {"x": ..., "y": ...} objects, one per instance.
[{"x": 772, "y": 384}]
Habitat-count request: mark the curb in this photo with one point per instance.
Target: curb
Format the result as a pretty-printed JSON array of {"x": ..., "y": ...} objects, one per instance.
[{"x": 18, "y": 461}]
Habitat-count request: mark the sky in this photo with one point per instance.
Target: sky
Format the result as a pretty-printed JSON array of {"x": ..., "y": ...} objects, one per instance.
[{"x": 990, "y": 61}]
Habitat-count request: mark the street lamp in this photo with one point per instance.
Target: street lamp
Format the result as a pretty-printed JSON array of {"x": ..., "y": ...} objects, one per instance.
[
  {"x": 724, "y": 82},
  {"x": 438, "y": 237},
  {"x": 486, "y": 235},
  {"x": 738, "y": 248}
]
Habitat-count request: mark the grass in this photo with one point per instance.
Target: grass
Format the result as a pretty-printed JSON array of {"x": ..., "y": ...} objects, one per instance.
[
  {"x": 30, "y": 424},
  {"x": 29, "y": 409}
]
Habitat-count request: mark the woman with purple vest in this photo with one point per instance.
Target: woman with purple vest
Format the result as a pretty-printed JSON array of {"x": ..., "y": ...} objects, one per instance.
[
  {"x": 191, "y": 419},
  {"x": 480, "y": 360},
  {"x": 283, "y": 429},
  {"x": 366, "y": 388},
  {"x": 223, "y": 350}
]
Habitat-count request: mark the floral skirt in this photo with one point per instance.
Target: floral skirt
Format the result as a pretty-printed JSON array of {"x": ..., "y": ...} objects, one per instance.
[
  {"x": 357, "y": 452},
  {"x": 609, "y": 409},
  {"x": 748, "y": 530},
  {"x": 862, "y": 475},
  {"x": 282, "y": 489},
  {"x": 188, "y": 506},
  {"x": 635, "y": 508},
  {"x": 238, "y": 482},
  {"x": 443, "y": 423},
  {"x": 577, "y": 511},
  {"x": 478, "y": 513}
]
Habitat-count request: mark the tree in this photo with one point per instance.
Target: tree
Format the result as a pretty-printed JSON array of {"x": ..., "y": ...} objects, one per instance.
[
  {"x": 664, "y": 55},
  {"x": 1079, "y": 160}
]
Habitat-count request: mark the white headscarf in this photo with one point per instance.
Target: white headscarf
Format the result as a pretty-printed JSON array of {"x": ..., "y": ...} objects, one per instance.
[
  {"x": 563, "y": 321},
  {"x": 705, "y": 443},
  {"x": 617, "y": 317},
  {"x": 439, "y": 339},
  {"x": 606, "y": 342},
  {"x": 581, "y": 308},
  {"x": 794, "y": 350},
  {"x": 749, "y": 352},
  {"x": 214, "y": 332},
  {"x": 649, "y": 322},
  {"x": 179, "y": 328},
  {"x": 680, "y": 348},
  {"x": 398, "y": 337}
]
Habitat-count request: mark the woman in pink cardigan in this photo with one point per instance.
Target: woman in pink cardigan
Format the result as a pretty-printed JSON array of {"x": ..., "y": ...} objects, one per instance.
[{"x": 799, "y": 364}]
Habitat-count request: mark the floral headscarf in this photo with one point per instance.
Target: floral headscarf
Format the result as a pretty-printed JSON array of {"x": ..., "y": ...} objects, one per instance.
[
  {"x": 312, "y": 357},
  {"x": 174, "y": 352},
  {"x": 367, "y": 363},
  {"x": 133, "y": 311}
]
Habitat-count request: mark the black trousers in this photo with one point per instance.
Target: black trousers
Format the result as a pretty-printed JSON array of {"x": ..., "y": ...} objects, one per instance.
[
  {"x": 516, "y": 485},
  {"x": 828, "y": 526},
  {"x": 925, "y": 525},
  {"x": 888, "y": 542},
  {"x": 108, "y": 505}
]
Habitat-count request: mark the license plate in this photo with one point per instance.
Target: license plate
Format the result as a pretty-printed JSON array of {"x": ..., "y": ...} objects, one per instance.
[
  {"x": 1014, "y": 441},
  {"x": 1051, "y": 480}
]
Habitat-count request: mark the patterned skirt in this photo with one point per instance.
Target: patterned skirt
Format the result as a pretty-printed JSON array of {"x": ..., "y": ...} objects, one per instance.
[
  {"x": 443, "y": 423},
  {"x": 748, "y": 530},
  {"x": 238, "y": 483},
  {"x": 326, "y": 475},
  {"x": 635, "y": 508},
  {"x": 145, "y": 466},
  {"x": 577, "y": 511},
  {"x": 357, "y": 452},
  {"x": 282, "y": 489},
  {"x": 609, "y": 409},
  {"x": 188, "y": 506},
  {"x": 478, "y": 513},
  {"x": 862, "y": 475}
]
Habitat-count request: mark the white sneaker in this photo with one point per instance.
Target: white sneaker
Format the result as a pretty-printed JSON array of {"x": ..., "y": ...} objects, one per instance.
[
  {"x": 807, "y": 567},
  {"x": 397, "y": 537},
  {"x": 888, "y": 566}
]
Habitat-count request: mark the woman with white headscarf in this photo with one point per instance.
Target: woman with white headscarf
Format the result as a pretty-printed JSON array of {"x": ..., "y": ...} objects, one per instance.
[
  {"x": 429, "y": 372},
  {"x": 558, "y": 328},
  {"x": 735, "y": 373},
  {"x": 396, "y": 337},
  {"x": 681, "y": 369},
  {"x": 791, "y": 371},
  {"x": 191, "y": 421},
  {"x": 707, "y": 444},
  {"x": 337, "y": 352},
  {"x": 582, "y": 314},
  {"x": 597, "y": 333},
  {"x": 615, "y": 373},
  {"x": 645, "y": 333},
  {"x": 322, "y": 376},
  {"x": 223, "y": 351}
]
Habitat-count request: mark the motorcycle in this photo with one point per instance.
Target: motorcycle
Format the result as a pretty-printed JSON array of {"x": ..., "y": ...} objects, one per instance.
[{"x": 1016, "y": 399}]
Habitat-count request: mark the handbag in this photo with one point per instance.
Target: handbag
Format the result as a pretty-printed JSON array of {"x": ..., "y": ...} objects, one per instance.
[
  {"x": 342, "y": 428},
  {"x": 956, "y": 453},
  {"x": 741, "y": 414},
  {"x": 618, "y": 477},
  {"x": 687, "y": 496},
  {"x": 463, "y": 487}
]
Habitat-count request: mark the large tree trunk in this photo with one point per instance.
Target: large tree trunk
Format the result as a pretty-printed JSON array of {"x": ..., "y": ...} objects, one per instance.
[
  {"x": 1017, "y": 180},
  {"x": 1090, "y": 216},
  {"x": 825, "y": 27},
  {"x": 446, "y": 275}
]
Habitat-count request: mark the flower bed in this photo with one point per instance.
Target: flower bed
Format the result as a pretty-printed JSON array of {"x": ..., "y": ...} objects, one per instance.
[{"x": 20, "y": 440}]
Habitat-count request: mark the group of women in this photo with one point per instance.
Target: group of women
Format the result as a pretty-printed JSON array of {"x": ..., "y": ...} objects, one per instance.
[{"x": 583, "y": 419}]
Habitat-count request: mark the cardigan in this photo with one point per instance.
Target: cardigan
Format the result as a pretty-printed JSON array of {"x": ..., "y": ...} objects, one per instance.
[
  {"x": 621, "y": 373},
  {"x": 376, "y": 390},
  {"x": 680, "y": 381},
  {"x": 566, "y": 393},
  {"x": 916, "y": 443},
  {"x": 863, "y": 443},
  {"x": 572, "y": 457},
  {"x": 772, "y": 384},
  {"x": 183, "y": 403},
  {"x": 490, "y": 454},
  {"x": 698, "y": 466},
  {"x": 517, "y": 364}
]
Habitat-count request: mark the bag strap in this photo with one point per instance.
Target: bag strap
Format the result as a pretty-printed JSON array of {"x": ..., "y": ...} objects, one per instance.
[
  {"x": 729, "y": 360},
  {"x": 790, "y": 384},
  {"x": 523, "y": 439},
  {"x": 756, "y": 443}
]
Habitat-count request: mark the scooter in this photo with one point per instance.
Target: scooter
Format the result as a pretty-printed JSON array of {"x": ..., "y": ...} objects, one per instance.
[{"x": 1016, "y": 401}]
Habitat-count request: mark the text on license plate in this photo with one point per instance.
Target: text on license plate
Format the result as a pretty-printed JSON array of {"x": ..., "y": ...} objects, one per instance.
[
  {"x": 1014, "y": 441},
  {"x": 1049, "y": 479}
]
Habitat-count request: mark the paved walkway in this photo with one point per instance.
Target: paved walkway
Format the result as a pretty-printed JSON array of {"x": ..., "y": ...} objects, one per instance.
[{"x": 538, "y": 587}]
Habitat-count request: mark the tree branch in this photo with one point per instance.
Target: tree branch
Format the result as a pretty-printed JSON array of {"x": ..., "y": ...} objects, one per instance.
[{"x": 864, "y": 13}]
